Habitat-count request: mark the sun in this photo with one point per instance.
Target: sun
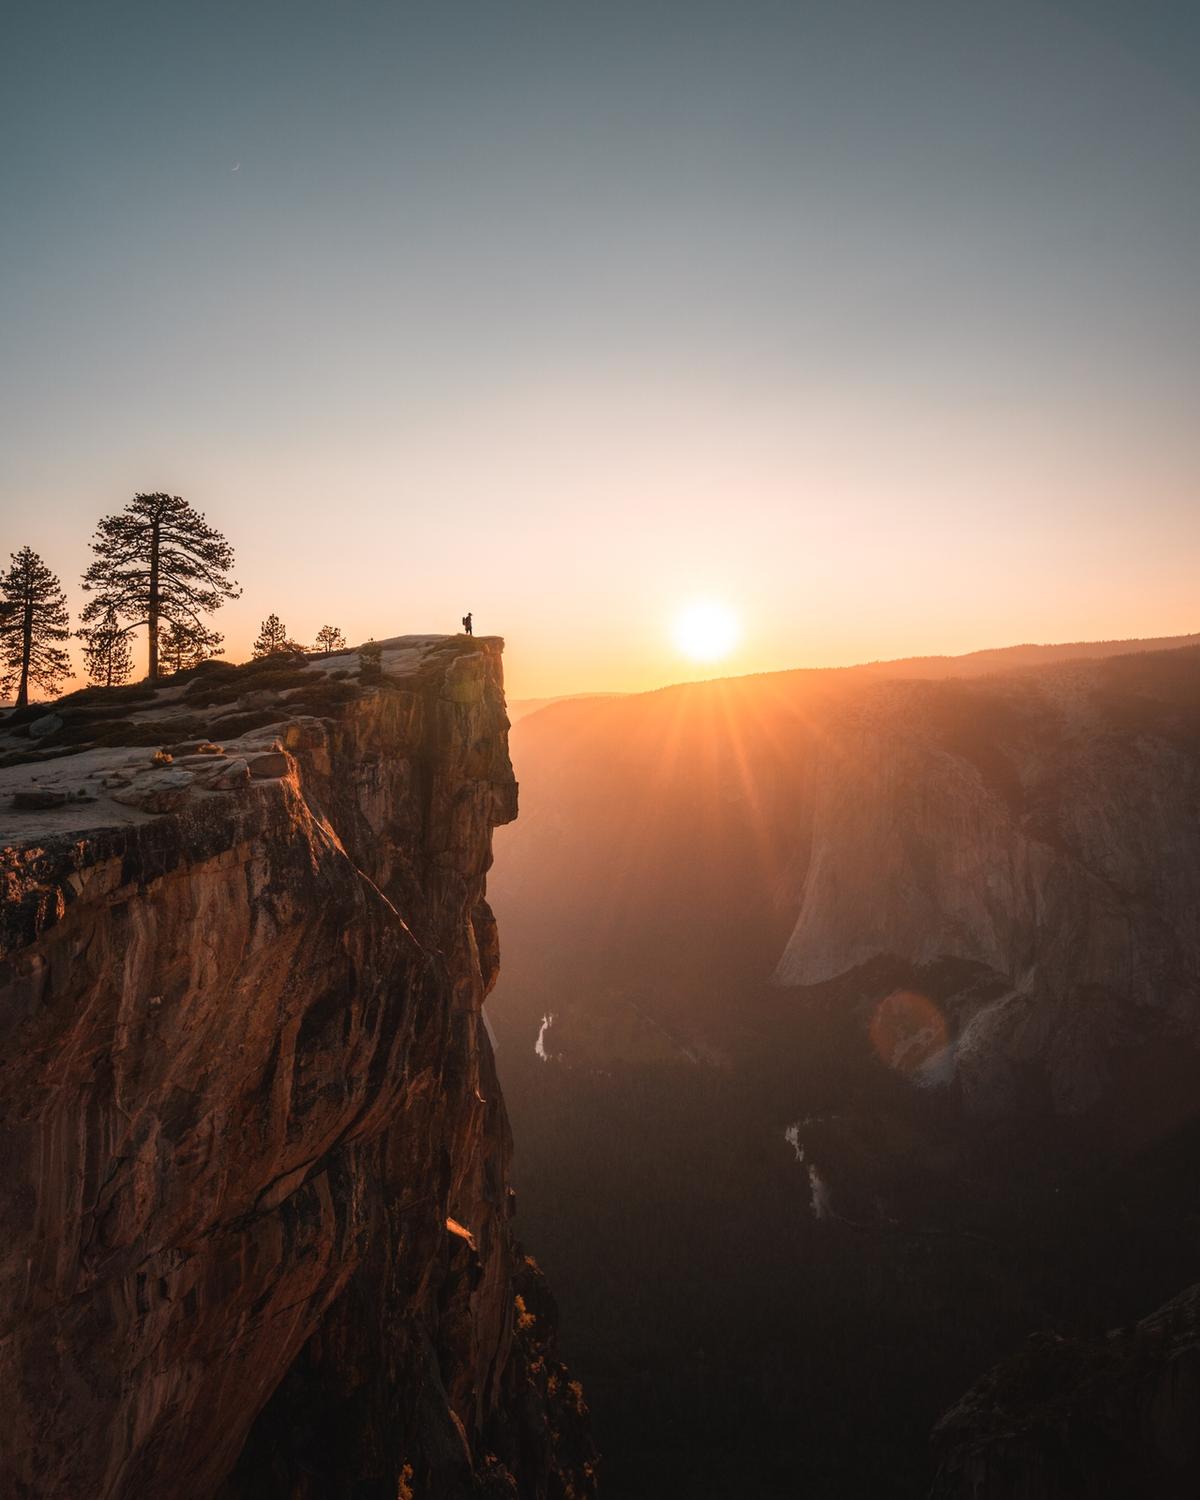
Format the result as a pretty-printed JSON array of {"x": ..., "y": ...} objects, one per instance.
[{"x": 706, "y": 631}]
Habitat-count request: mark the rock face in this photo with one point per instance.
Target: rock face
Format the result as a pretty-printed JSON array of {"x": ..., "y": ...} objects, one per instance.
[
  {"x": 1036, "y": 831},
  {"x": 1075, "y": 1419},
  {"x": 255, "y": 1204},
  {"x": 1042, "y": 829}
]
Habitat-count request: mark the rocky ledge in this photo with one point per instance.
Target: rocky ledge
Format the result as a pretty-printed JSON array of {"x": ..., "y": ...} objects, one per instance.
[{"x": 255, "y": 1202}]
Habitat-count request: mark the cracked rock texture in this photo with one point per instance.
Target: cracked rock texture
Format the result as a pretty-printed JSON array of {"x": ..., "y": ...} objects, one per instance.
[{"x": 254, "y": 1198}]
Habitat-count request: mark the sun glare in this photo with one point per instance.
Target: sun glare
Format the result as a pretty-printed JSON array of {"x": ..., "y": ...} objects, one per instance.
[{"x": 706, "y": 632}]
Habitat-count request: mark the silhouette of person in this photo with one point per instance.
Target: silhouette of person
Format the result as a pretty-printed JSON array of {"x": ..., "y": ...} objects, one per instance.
[{"x": 467, "y": 623}]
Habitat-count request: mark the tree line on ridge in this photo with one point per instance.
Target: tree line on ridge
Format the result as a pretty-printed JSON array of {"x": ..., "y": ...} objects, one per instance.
[{"x": 157, "y": 565}]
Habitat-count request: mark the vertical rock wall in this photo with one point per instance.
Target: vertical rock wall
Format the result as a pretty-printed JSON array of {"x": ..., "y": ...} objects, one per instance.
[{"x": 255, "y": 1199}]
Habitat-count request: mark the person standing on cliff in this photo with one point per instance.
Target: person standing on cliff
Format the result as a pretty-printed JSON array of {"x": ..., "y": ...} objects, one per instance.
[{"x": 467, "y": 623}]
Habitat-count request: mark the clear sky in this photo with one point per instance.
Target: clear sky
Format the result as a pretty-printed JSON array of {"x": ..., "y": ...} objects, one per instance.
[{"x": 877, "y": 322}]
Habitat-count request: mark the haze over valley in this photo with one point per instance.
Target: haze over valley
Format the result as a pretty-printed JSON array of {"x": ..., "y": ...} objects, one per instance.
[{"x": 847, "y": 1022}]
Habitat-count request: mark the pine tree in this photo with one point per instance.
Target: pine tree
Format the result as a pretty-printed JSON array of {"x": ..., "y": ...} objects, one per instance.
[
  {"x": 184, "y": 646},
  {"x": 106, "y": 652},
  {"x": 330, "y": 638},
  {"x": 273, "y": 638},
  {"x": 33, "y": 616},
  {"x": 157, "y": 563}
]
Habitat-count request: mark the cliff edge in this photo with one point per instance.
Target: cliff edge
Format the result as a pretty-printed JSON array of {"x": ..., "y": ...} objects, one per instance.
[{"x": 255, "y": 1193}]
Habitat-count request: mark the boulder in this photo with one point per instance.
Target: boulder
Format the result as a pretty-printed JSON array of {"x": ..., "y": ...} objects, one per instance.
[
  {"x": 39, "y": 797},
  {"x": 227, "y": 775},
  {"x": 157, "y": 791},
  {"x": 47, "y": 724}
]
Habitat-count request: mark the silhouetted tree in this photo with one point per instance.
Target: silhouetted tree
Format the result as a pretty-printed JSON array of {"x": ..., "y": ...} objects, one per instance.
[
  {"x": 107, "y": 654},
  {"x": 273, "y": 638},
  {"x": 158, "y": 562},
  {"x": 330, "y": 638},
  {"x": 183, "y": 646},
  {"x": 33, "y": 616}
]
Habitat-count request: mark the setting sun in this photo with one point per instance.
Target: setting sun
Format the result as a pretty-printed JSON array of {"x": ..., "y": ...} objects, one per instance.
[{"x": 706, "y": 632}]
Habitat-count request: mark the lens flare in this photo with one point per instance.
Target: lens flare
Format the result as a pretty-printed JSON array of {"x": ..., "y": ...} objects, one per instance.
[
  {"x": 706, "y": 631},
  {"x": 908, "y": 1031}
]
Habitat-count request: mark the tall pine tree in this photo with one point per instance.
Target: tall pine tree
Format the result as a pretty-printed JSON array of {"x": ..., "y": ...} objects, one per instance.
[
  {"x": 106, "y": 652},
  {"x": 33, "y": 616},
  {"x": 157, "y": 563},
  {"x": 183, "y": 646}
]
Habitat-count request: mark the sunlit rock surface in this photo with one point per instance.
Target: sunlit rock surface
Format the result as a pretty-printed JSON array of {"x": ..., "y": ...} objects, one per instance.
[{"x": 255, "y": 1200}]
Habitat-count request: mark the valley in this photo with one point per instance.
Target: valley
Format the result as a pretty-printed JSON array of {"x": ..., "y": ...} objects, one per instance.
[{"x": 873, "y": 1051}]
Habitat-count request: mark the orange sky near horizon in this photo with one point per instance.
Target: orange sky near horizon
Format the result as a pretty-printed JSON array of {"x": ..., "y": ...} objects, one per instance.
[
  {"x": 828, "y": 552},
  {"x": 877, "y": 324}
]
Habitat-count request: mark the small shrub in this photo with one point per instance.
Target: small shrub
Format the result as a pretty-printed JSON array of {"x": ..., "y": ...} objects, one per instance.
[
  {"x": 148, "y": 734},
  {"x": 370, "y": 662},
  {"x": 208, "y": 694},
  {"x": 205, "y": 671},
  {"x": 136, "y": 692},
  {"x": 273, "y": 663}
]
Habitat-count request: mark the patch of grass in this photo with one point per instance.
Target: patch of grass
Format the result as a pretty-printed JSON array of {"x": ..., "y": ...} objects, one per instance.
[
  {"x": 134, "y": 692},
  {"x": 260, "y": 664},
  {"x": 205, "y": 670},
  {"x": 230, "y": 689},
  {"x": 159, "y": 732}
]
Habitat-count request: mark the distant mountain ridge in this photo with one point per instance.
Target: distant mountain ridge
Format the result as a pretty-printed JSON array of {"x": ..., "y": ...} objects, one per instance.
[
  {"x": 824, "y": 817},
  {"x": 1008, "y": 658},
  {"x": 979, "y": 663},
  {"x": 898, "y": 968},
  {"x": 970, "y": 664}
]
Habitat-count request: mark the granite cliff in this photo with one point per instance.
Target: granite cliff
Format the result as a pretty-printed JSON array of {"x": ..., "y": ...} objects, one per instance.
[
  {"x": 1039, "y": 831},
  {"x": 255, "y": 1195}
]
